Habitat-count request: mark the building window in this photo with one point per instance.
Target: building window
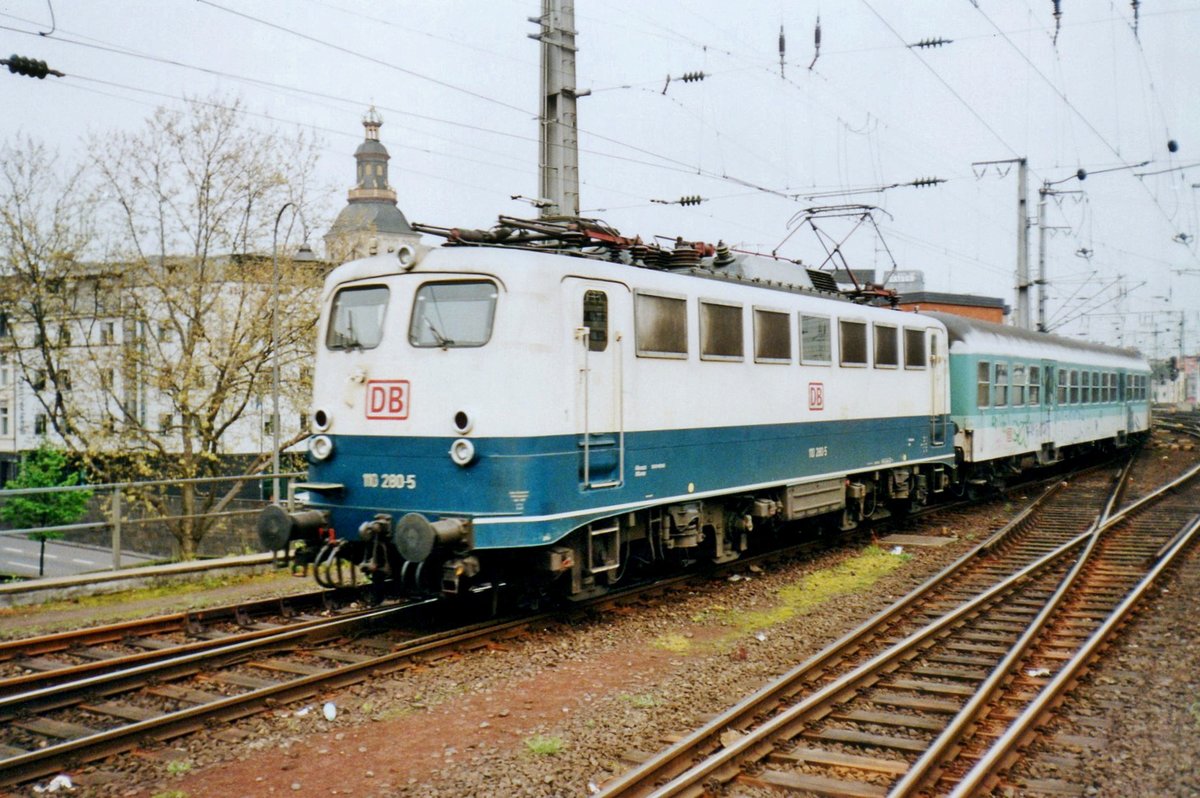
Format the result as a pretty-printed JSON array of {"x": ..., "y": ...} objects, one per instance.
[
  {"x": 64, "y": 380},
  {"x": 4, "y": 422},
  {"x": 914, "y": 349},
  {"x": 853, "y": 338},
  {"x": 107, "y": 332},
  {"x": 660, "y": 325},
  {"x": 887, "y": 351},
  {"x": 595, "y": 319},
  {"x": 983, "y": 393},
  {"x": 39, "y": 424},
  {"x": 721, "y": 331},
  {"x": 4, "y": 331},
  {"x": 64, "y": 335},
  {"x": 165, "y": 422},
  {"x": 38, "y": 383},
  {"x": 815, "y": 348},
  {"x": 772, "y": 336}
]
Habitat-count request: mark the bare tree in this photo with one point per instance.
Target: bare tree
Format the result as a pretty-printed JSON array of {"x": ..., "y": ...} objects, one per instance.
[{"x": 168, "y": 346}]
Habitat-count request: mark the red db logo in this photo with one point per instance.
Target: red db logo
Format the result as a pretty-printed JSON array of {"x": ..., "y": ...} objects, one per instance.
[
  {"x": 816, "y": 396},
  {"x": 387, "y": 399}
]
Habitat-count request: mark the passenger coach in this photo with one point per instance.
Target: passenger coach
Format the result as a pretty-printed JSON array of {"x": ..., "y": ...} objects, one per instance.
[{"x": 1023, "y": 398}]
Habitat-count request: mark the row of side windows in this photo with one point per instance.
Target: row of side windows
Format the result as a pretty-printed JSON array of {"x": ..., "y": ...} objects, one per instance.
[
  {"x": 660, "y": 327},
  {"x": 1003, "y": 384}
]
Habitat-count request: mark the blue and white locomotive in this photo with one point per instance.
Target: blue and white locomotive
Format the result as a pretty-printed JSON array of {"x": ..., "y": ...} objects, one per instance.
[{"x": 512, "y": 408}]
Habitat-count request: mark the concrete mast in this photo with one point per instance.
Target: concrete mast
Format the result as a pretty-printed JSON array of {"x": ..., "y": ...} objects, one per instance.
[{"x": 559, "y": 160}]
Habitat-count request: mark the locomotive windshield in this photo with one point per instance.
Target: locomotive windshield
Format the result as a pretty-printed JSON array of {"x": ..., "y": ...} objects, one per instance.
[
  {"x": 356, "y": 321},
  {"x": 453, "y": 314}
]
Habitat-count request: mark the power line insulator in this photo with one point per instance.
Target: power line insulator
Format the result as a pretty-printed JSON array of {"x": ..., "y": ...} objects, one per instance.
[
  {"x": 691, "y": 199},
  {"x": 928, "y": 44},
  {"x": 927, "y": 182},
  {"x": 30, "y": 67},
  {"x": 692, "y": 77}
]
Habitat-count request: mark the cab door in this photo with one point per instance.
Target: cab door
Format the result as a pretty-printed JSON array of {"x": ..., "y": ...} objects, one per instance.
[
  {"x": 600, "y": 313},
  {"x": 939, "y": 367}
]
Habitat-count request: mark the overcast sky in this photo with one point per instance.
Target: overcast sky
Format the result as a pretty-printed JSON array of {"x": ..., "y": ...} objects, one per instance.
[{"x": 457, "y": 84}]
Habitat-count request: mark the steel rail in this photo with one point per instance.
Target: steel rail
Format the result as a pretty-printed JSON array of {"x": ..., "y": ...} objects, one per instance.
[
  {"x": 756, "y": 742},
  {"x": 948, "y": 738},
  {"x": 779, "y": 724},
  {"x": 662, "y": 764},
  {"x": 991, "y": 761},
  {"x": 31, "y": 681}
]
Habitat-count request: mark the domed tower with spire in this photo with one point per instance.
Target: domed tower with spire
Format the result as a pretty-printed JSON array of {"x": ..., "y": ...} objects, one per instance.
[{"x": 370, "y": 223}]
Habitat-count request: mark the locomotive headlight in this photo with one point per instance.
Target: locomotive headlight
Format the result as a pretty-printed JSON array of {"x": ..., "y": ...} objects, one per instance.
[
  {"x": 462, "y": 452},
  {"x": 320, "y": 447},
  {"x": 320, "y": 420}
]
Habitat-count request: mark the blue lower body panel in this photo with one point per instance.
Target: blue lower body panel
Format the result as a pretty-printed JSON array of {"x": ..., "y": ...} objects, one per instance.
[{"x": 532, "y": 491}]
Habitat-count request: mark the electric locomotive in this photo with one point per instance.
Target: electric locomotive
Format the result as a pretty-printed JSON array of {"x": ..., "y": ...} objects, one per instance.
[{"x": 548, "y": 405}]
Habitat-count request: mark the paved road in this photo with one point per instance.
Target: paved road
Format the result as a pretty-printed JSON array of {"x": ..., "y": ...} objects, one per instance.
[{"x": 19, "y": 557}]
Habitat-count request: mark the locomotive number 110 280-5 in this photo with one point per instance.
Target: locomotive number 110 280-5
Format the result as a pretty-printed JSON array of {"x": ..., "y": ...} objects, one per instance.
[{"x": 394, "y": 481}]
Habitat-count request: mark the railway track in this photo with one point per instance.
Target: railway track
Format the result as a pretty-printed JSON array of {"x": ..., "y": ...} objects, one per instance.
[
  {"x": 33, "y": 662},
  {"x": 919, "y": 699},
  {"x": 79, "y": 696},
  {"x": 74, "y": 697}
]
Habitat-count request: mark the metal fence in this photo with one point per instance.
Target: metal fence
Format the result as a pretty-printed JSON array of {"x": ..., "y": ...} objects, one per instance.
[{"x": 112, "y": 519}]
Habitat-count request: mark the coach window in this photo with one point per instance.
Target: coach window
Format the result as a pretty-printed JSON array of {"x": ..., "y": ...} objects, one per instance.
[
  {"x": 772, "y": 336},
  {"x": 853, "y": 337},
  {"x": 1105, "y": 387},
  {"x": 356, "y": 318},
  {"x": 1074, "y": 387},
  {"x": 660, "y": 325},
  {"x": 1018, "y": 385},
  {"x": 1064, "y": 386},
  {"x": 453, "y": 315},
  {"x": 914, "y": 349},
  {"x": 720, "y": 331},
  {"x": 1085, "y": 393},
  {"x": 1000, "y": 393},
  {"x": 815, "y": 348},
  {"x": 1035, "y": 385},
  {"x": 1095, "y": 387},
  {"x": 595, "y": 318},
  {"x": 887, "y": 351},
  {"x": 983, "y": 396}
]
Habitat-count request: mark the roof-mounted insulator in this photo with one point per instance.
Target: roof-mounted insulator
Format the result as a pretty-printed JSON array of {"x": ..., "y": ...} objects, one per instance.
[{"x": 928, "y": 44}]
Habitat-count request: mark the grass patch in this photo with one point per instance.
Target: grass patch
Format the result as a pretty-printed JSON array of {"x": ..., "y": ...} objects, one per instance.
[
  {"x": 177, "y": 767},
  {"x": 170, "y": 794},
  {"x": 846, "y": 578},
  {"x": 674, "y": 642},
  {"x": 644, "y": 701},
  {"x": 541, "y": 745}
]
